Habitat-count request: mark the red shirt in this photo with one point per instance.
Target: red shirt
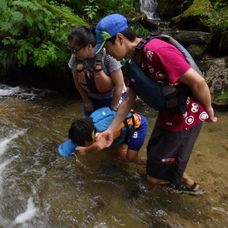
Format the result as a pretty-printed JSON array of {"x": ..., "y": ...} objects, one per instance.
[{"x": 165, "y": 64}]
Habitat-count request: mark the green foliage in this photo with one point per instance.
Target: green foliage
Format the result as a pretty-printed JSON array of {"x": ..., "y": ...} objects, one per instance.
[
  {"x": 35, "y": 32},
  {"x": 218, "y": 19},
  {"x": 222, "y": 99},
  {"x": 140, "y": 30},
  {"x": 91, "y": 9}
]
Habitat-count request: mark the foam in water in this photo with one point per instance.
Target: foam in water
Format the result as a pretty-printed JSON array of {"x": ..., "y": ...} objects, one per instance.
[
  {"x": 21, "y": 92},
  {"x": 4, "y": 143},
  {"x": 6, "y": 91},
  {"x": 2, "y": 168},
  {"x": 28, "y": 214}
]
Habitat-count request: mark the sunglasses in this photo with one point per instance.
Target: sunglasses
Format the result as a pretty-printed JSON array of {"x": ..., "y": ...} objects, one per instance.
[{"x": 74, "y": 51}]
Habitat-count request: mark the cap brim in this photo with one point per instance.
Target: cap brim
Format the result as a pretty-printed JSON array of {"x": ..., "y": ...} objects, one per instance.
[
  {"x": 67, "y": 148},
  {"x": 98, "y": 47}
]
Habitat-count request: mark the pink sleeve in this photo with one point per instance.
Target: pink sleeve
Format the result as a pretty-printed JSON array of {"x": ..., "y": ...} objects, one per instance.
[{"x": 171, "y": 59}]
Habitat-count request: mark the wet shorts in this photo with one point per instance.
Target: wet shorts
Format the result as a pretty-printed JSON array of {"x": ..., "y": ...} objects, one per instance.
[
  {"x": 168, "y": 152},
  {"x": 137, "y": 139},
  {"x": 99, "y": 103}
]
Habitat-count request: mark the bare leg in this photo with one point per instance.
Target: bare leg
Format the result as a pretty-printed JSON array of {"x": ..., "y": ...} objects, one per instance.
[
  {"x": 153, "y": 180},
  {"x": 188, "y": 181},
  {"x": 132, "y": 155}
]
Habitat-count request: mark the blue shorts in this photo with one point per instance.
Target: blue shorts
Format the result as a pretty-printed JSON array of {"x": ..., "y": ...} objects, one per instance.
[
  {"x": 99, "y": 103},
  {"x": 137, "y": 139}
]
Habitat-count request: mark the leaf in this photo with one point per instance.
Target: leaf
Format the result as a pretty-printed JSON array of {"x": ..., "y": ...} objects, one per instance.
[
  {"x": 3, "y": 5},
  {"x": 29, "y": 19}
]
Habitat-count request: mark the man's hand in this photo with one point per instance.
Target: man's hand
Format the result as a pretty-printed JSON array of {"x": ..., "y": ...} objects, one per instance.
[
  {"x": 211, "y": 118},
  {"x": 108, "y": 136}
]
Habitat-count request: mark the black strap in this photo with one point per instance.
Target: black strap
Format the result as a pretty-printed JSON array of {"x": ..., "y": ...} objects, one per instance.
[
  {"x": 99, "y": 56},
  {"x": 89, "y": 76},
  {"x": 128, "y": 127},
  {"x": 144, "y": 41}
]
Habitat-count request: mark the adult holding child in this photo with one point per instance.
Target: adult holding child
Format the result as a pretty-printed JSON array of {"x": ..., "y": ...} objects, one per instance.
[
  {"x": 98, "y": 78},
  {"x": 175, "y": 132}
]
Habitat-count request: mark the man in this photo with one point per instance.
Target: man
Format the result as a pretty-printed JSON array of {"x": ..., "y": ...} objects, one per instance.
[{"x": 174, "y": 133}]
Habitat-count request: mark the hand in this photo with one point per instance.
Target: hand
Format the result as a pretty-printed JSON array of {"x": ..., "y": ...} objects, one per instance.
[
  {"x": 211, "y": 116},
  {"x": 81, "y": 150},
  {"x": 89, "y": 106},
  {"x": 108, "y": 135}
]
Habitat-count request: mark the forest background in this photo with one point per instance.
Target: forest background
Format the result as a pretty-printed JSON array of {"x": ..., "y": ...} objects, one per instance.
[{"x": 33, "y": 33}]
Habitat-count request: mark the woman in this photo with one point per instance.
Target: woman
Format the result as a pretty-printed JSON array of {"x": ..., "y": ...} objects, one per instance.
[{"x": 98, "y": 78}]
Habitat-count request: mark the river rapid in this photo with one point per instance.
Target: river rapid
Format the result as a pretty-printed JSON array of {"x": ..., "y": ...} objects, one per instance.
[{"x": 40, "y": 189}]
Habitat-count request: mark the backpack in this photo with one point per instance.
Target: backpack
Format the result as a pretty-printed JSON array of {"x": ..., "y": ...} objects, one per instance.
[
  {"x": 103, "y": 117},
  {"x": 158, "y": 96}
]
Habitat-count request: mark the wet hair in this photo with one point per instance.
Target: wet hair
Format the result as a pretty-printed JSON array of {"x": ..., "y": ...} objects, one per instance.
[
  {"x": 129, "y": 33},
  {"x": 82, "y": 36},
  {"x": 81, "y": 131}
]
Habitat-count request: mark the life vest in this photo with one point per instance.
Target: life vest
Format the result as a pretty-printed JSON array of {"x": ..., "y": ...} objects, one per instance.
[
  {"x": 96, "y": 81},
  {"x": 103, "y": 117},
  {"x": 158, "y": 96}
]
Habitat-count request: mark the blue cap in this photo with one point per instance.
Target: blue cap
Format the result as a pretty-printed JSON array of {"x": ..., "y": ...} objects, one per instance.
[
  {"x": 67, "y": 148},
  {"x": 108, "y": 27}
]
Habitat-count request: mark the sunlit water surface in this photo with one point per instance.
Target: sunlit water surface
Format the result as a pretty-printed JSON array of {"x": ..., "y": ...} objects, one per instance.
[{"x": 40, "y": 189}]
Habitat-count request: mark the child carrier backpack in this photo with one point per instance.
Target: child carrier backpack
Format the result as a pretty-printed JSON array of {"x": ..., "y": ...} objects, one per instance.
[
  {"x": 103, "y": 117},
  {"x": 158, "y": 96}
]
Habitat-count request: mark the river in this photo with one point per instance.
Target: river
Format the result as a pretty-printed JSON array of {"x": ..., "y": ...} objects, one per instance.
[{"x": 40, "y": 189}]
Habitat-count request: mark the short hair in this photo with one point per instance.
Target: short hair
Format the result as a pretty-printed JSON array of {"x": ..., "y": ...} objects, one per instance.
[
  {"x": 81, "y": 130},
  {"x": 129, "y": 33},
  {"x": 82, "y": 36}
]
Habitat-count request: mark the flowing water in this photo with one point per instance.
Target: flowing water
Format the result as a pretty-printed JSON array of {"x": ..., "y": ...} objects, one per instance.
[
  {"x": 40, "y": 189},
  {"x": 149, "y": 7}
]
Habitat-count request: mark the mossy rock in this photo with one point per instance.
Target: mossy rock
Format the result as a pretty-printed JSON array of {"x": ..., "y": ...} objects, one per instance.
[
  {"x": 195, "y": 17},
  {"x": 197, "y": 50},
  {"x": 221, "y": 99}
]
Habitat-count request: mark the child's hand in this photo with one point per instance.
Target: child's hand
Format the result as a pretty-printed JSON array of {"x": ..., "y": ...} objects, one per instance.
[{"x": 81, "y": 150}]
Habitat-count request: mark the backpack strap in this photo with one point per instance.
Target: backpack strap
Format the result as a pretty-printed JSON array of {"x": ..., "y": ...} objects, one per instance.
[
  {"x": 98, "y": 58},
  {"x": 142, "y": 43}
]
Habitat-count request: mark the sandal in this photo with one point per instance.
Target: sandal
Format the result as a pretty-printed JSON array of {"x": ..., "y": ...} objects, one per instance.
[{"x": 187, "y": 190}]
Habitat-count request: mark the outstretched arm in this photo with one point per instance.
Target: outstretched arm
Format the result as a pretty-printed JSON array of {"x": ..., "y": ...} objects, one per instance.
[
  {"x": 95, "y": 147},
  {"x": 122, "y": 111}
]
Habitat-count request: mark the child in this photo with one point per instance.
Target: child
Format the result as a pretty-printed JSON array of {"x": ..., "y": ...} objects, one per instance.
[{"x": 83, "y": 134}]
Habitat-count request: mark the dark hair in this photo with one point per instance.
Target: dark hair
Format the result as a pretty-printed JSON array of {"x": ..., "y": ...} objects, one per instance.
[
  {"x": 81, "y": 131},
  {"x": 129, "y": 33},
  {"x": 82, "y": 36}
]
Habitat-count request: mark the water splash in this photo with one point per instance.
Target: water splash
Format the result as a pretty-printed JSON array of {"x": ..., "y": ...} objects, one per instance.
[
  {"x": 30, "y": 212},
  {"x": 21, "y": 92}
]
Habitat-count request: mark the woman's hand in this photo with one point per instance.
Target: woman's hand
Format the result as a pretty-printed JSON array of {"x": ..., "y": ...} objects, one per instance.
[{"x": 88, "y": 105}]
